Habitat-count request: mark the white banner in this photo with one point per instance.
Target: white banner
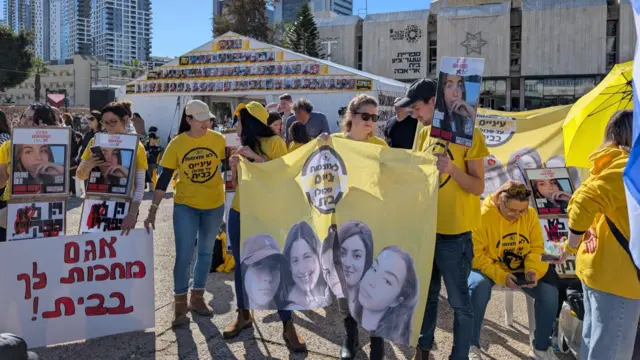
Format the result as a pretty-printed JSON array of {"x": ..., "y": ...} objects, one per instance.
[
  {"x": 102, "y": 215},
  {"x": 70, "y": 288},
  {"x": 35, "y": 220}
]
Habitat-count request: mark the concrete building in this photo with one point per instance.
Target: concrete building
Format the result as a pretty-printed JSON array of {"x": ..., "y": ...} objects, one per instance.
[
  {"x": 341, "y": 38},
  {"x": 30, "y": 15},
  {"x": 285, "y": 11},
  {"x": 75, "y": 28},
  {"x": 73, "y": 76},
  {"x": 539, "y": 52},
  {"x": 121, "y": 30}
]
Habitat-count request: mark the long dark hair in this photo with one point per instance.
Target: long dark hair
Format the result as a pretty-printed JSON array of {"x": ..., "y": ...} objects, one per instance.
[
  {"x": 252, "y": 130},
  {"x": 5, "y": 127},
  {"x": 619, "y": 130},
  {"x": 184, "y": 124},
  {"x": 280, "y": 297},
  {"x": 303, "y": 230},
  {"x": 442, "y": 106},
  {"x": 43, "y": 114},
  {"x": 396, "y": 323}
]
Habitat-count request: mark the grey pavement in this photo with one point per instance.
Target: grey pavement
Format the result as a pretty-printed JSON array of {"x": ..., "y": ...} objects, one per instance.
[{"x": 322, "y": 329}]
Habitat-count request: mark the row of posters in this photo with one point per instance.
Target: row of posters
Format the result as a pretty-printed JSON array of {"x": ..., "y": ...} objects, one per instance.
[
  {"x": 251, "y": 56},
  {"x": 40, "y": 180},
  {"x": 316, "y": 83},
  {"x": 205, "y": 72}
]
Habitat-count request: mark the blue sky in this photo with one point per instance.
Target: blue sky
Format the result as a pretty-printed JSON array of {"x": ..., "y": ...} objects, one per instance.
[{"x": 178, "y": 29}]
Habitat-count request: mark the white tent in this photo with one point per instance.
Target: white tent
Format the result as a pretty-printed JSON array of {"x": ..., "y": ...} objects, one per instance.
[{"x": 234, "y": 69}]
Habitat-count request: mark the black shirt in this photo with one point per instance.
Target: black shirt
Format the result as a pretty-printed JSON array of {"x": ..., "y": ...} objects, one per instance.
[{"x": 400, "y": 134}]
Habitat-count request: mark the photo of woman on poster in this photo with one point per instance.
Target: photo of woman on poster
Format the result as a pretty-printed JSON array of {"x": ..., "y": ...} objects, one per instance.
[
  {"x": 453, "y": 113},
  {"x": 38, "y": 164},
  {"x": 551, "y": 195},
  {"x": 521, "y": 160},
  {"x": 329, "y": 272},
  {"x": 494, "y": 175},
  {"x": 302, "y": 249},
  {"x": 265, "y": 273},
  {"x": 356, "y": 253},
  {"x": 559, "y": 162},
  {"x": 388, "y": 295},
  {"x": 114, "y": 170}
]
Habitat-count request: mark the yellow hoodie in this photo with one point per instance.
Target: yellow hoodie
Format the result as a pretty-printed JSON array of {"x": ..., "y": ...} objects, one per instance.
[
  {"x": 610, "y": 268},
  {"x": 498, "y": 242}
]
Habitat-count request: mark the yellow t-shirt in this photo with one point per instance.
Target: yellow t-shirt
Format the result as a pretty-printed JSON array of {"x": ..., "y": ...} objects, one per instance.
[
  {"x": 372, "y": 140},
  {"x": 272, "y": 148},
  {"x": 5, "y": 159},
  {"x": 197, "y": 161},
  {"x": 141, "y": 155},
  {"x": 295, "y": 146},
  {"x": 458, "y": 210}
]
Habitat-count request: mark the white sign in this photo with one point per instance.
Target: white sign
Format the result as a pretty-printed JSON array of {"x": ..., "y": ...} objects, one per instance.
[
  {"x": 71, "y": 288},
  {"x": 102, "y": 215},
  {"x": 35, "y": 220}
]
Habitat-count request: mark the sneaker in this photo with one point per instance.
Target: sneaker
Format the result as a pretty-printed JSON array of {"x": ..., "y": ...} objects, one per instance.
[
  {"x": 474, "y": 353},
  {"x": 543, "y": 354}
]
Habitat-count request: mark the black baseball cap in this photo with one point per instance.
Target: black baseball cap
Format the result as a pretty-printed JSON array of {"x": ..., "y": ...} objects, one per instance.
[
  {"x": 423, "y": 89},
  {"x": 13, "y": 347}
]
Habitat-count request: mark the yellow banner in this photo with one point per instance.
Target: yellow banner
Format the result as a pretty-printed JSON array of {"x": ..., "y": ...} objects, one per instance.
[{"x": 337, "y": 218}]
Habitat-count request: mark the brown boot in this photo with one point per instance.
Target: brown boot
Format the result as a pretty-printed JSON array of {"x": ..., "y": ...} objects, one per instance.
[
  {"x": 198, "y": 305},
  {"x": 293, "y": 341},
  {"x": 180, "y": 310},
  {"x": 421, "y": 354},
  {"x": 243, "y": 321}
]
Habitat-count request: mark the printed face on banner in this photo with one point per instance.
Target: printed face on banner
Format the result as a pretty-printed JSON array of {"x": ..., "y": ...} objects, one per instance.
[
  {"x": 114, "y": 175},
  {"x": 457, "y": 99},
  {"x": 102, "y": 216},
  {"x": 35, "y": 220},
  {"x": 39, "y": 161},
  {"x": 555, "y": 231},
  {"x": 352, "y": 248},
  {"x": 88, "y": 285},
  {"x": 552, "y": 190}
]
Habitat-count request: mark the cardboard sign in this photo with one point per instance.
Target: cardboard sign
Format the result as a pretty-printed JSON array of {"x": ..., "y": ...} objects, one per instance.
[
  {"x": 39, "y": 161},
  {"x": 71, "y": 288},
  {"x": 102, "y": 215},
  {"x": 115, "y": 176},
  {"x": 552, "y": 190},
  {"x": 35, "y": 220},
  {"x": 555, "y": 231},
  {"x": 457, "y": 99}
]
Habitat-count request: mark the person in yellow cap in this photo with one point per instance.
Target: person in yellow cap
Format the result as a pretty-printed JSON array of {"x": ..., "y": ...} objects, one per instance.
[
  {"x": 259, "y": 144},
  {"x": 196, "y": 153}
]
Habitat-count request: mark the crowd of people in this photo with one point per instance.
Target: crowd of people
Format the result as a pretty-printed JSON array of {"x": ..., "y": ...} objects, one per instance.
[{"x": 478, "y": 245}]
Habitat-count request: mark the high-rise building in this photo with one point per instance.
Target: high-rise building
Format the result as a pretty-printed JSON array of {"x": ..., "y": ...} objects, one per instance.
[
  {"x": 121, "y": 30},
  {"x": 287, "y": 10},
  {"x": 29, "y": 15},
  {"x": 55, "y": 7},
  {"x": 75, "y": 28}
]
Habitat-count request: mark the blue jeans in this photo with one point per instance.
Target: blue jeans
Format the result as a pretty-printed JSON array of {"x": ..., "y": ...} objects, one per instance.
[
  {"x": 188, "y": 223},
  {"x": 452, "y": 262},
  {"x": 609, "y": 327},
  {"x": 234, "y": 238},
  {"x": 546, "y": 304}
]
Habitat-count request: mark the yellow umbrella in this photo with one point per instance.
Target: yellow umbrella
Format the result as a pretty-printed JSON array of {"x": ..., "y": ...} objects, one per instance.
[{"x": 583, "y": 128}]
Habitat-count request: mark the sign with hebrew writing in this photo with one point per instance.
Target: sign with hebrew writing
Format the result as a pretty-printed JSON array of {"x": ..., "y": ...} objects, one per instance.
[
  {"x": 555, "y": 231},
  {"x": 102, "y": 215},
  {"x": 39, "y": 161},
  {"x": 70, "y": 288},
  {"x": 114, "y": 175},
  {"x": 35, "y": 220},
  {"x": 552, "y": 190}
]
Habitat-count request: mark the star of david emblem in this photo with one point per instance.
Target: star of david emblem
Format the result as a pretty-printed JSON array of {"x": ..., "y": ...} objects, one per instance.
[{"x": 474, "y": 43}]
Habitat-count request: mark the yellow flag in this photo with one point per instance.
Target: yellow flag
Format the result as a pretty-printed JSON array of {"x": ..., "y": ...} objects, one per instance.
[{"x": 341, "y": 218}]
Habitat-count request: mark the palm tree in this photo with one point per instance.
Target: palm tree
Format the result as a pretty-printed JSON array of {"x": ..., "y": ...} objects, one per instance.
[
  {"x": 38, "y": 67},
  {"x": 134, "y": 68}
]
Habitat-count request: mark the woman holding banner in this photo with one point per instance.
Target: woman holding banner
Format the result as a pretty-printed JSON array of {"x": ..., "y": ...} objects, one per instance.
[
  {"x": 599, "y": 234},
  {"x": 113, "y": 118},
  {"x": 196, "y": 154},
  {"x": 259, "y": 144},
  {"x": 515, "y": 262}
]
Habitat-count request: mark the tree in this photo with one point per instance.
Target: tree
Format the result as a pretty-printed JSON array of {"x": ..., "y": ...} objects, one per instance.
[
  {"x": 16, "y": 58},
  {"x": 38, "y": 67},
  {"x": 244, "y": 17},
  {"x": 133, "y": 68},
  {"x": 303, "y": 36}
]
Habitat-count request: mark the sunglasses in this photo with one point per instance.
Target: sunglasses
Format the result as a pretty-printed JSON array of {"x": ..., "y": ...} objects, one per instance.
[
  {"x": 367, "y": 116},
  {"x": 519, "y": 191}
]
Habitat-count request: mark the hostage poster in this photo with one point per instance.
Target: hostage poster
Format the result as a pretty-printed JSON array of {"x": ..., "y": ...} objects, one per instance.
[
  {"x": 35, "y": 220},
  {"x": 102, "y": 215},
  {"x": 115, "y": 173},
  {"x": 341, "y": 219},
  {"x": 39, "y": 161},
  {"x": 71, "y": 288}
]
